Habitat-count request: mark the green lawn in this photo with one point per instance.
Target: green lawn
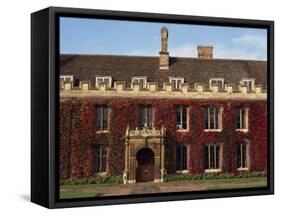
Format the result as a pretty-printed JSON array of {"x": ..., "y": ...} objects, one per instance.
[
  {"x": 107, "y": 189},
  {"x": 222, "y": 180}
]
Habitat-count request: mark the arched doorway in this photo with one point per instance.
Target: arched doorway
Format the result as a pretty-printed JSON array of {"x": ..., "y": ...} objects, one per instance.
[{"x": 145, "y": 165}]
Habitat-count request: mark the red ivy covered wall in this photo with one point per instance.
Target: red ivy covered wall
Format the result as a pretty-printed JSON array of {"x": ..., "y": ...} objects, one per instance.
[{"x": 78, "y": 136}]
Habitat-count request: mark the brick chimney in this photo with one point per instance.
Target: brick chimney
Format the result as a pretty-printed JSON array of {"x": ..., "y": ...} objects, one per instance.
[
  {"x": 205, "y": 52},
  {"x": 164, "y": 55}
]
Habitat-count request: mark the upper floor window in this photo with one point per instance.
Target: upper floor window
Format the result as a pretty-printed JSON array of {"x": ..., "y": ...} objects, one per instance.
[
  {"x": 146, "y": 118},
  {"x": 218, "y": 82},
  {"x": 141, "y": 80},
  {"x": 212, "y": 157},
  {"x": 106, "y": 79},
  {"x": 242, "y": 157},
  {"x": 102, "y": 118},
  {"x": 176, "y": 82},
  {"x": 182, "y": 118},
  {"x": 101, "y": 159},
  {"x": 213, "y": 118},
  {"x": 249, "y": 83},
  {"x": 241, "y": 118},
  {"x": 65, "y": 78},
  {"x": 181, "y": 157}
]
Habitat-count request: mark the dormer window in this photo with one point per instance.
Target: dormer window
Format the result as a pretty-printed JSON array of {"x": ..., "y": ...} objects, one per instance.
[
  {"x": 176, "y": 82},
  {"x": 66, "y": 78},
  {"x": 106, "y": 79},
  {"x": 249, "y": 83},
  {"x": 141, "y": 80},
  {"x": 218, "y": 82}
]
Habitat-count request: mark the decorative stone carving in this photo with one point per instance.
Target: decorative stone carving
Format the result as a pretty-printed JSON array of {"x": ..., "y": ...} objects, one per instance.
[{"x": 138, "y": 139}]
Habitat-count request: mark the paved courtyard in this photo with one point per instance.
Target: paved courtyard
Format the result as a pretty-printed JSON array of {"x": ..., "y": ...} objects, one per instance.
[{"x": 150, "y": 187}]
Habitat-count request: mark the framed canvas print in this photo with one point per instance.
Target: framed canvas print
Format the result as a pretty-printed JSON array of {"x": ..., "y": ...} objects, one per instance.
[{"x": 138, "y": 107}]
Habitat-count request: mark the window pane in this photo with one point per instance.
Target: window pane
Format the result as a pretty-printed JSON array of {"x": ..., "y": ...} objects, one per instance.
[
  {"x": 216, "y": 117},
  {"x": 149, "y": 117},
  {"x": 238, "y": 118},
  {"x": 99, "y": 118},
  {"x": 184, "y": 118},
  {"x": 207, "y": 157},
  {"x": 179, "y": 123},
  {"x": 206, "y": 118},
  {"x": 184, "y": 158},
  {"x": 244, "y": 155},
  {"x": 178, "y": 158},
  {"x": 178, "y": 83},
  {"x": 212, "y": 120},
  {"x": 243, "y": 118},
  {"x": 105, "y": 118},
  {"x": 212, "y": 157},
  {"x": 104, "y": 159},
  {"x": 217, "y": 157},
  {"x": 146, "y": 116},
  {"x": 181, "y": 157},
  {"x": 220, "y": 84},
  {"x": 106, "y": 80},
  {"x": 174, "y": 84},
  {"x": 239, "y": 156},
  {"x": 250, "y": 85}
]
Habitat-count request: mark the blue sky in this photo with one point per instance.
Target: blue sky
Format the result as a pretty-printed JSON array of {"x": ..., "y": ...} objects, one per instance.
[{"x": 97, "y": 36}]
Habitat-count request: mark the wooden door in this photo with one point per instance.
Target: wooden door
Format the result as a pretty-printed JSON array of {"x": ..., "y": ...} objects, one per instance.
[{"x": 145, "y": 165}]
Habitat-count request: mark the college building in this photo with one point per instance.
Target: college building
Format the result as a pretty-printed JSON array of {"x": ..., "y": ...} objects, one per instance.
[{"x": 145, "y": 116}]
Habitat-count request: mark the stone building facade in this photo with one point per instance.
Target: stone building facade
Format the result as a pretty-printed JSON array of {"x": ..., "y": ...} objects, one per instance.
[{"x": 142, "y": 117}]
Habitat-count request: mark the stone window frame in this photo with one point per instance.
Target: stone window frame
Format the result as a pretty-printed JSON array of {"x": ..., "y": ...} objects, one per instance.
[
  {"x": 103, "y": 78},
  {"x": 108, "y": 118},
  {"x": 248, "y": 81},
  {"x": 246, "y": 119},
  {"x": 247, "y": 155},
  {"x": 138, "y": 78},
  {"x": 220, "y": 162},
  {"x": 63, "y": 78},
  {"x": 219, "y": 123},
  {"x": 184, "y": 171},
  {"x": 177, "y": 87},
  {"x": 100, "y": 149},
  {"x": 217, "y": 79},
  {"x": 187, "y": 108}
]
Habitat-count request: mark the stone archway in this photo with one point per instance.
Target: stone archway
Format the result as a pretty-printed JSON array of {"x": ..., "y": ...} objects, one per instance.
[
  {"x": 145, "y": 165},
  {"x": 142, "y": 145}
]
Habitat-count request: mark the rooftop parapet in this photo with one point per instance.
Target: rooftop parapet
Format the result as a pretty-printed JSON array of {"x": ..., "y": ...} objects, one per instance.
[{"x": 199, "y": 91}]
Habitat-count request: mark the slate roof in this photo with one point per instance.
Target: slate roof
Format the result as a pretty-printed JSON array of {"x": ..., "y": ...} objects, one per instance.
[{"x": 194, "y": 70}]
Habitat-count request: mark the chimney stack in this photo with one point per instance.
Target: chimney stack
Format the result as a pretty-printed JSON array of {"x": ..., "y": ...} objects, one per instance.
[
  {"x": 205, "y": 52},
  {"x": 164, "y": 55}
]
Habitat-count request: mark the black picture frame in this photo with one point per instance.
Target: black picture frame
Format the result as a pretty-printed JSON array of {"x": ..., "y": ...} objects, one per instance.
[{"x": 45, "y": 100}]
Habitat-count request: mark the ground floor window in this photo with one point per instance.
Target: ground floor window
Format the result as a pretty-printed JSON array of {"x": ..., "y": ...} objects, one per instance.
[
  {"x": 101, "y": 159},
  {"x": 181, "y": 157},
  {"x": 212, "y": 157},
  {"x": 242, "y": 156}
]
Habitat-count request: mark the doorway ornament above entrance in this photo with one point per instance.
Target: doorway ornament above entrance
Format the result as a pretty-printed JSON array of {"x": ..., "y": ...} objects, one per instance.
[{"x": 138, "y": 139}]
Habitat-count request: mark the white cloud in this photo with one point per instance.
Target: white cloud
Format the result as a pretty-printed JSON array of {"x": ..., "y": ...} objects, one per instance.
[
  {"x": 252, "y": 40},
  {"x": 239, "y": 52}
]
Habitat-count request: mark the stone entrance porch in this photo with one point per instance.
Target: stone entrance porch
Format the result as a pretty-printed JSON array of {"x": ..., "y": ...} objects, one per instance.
[{"x": 143, "y": 141}]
